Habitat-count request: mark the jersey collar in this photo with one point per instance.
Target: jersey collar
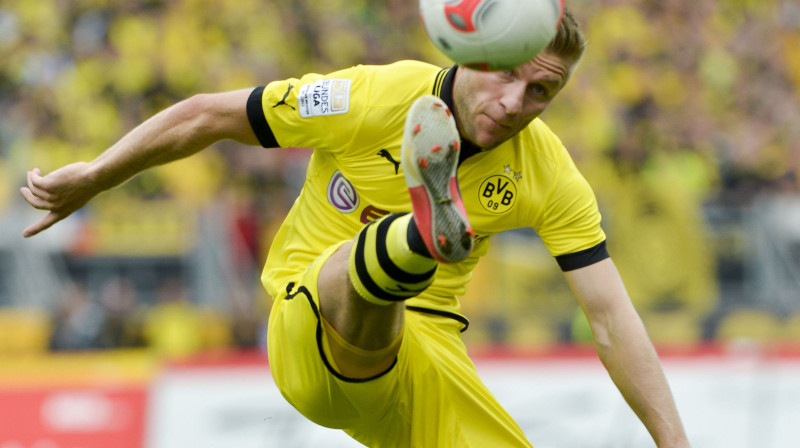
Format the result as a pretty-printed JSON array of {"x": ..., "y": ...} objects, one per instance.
[{"x": 443, "y": 88}]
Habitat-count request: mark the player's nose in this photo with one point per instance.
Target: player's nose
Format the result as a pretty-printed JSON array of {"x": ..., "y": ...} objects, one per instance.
[{"x": 512, "y": 98}]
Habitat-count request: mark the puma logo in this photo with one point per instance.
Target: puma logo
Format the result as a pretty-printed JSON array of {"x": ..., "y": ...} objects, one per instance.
[
  {"x": 283, "y": 101},
  {"x": 385, "y": 153}
]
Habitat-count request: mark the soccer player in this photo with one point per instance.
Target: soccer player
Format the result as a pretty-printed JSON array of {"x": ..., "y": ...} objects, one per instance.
[{"x": 414, "y": 167}]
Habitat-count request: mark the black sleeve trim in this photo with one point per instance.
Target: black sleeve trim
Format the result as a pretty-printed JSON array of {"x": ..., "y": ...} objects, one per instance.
[
  {"x": 255, "y": 113},
  {"x": 583, "y": 258}
]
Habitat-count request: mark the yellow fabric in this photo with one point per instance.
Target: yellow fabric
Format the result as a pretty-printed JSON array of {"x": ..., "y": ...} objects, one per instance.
[
  {"x": 432, "y": 396},
  {"x": 529, "y": 181},
  {"x": 398, "y": 252},
  {"x": 355, "y": 279},
  {"x": 355, "y": 362}
]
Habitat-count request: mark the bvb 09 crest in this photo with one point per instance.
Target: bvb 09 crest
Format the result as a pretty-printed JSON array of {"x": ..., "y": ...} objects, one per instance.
[{"x": 497, "y": 194}]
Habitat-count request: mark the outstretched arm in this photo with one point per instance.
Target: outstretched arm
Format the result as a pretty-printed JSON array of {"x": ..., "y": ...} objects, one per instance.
[
  {"x": 174, "y": 133},
  {"x": 626, "y": 351}
]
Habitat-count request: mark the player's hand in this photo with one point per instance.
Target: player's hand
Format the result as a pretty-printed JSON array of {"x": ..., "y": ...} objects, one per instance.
[{"x": 61, "y": 192}]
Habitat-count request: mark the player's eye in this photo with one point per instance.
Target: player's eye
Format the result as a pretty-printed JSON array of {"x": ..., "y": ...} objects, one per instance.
[{"x": 538, "y": 90}]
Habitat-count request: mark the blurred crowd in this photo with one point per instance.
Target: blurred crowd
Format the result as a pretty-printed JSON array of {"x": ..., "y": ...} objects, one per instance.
[{"x": 676, "y": 105}]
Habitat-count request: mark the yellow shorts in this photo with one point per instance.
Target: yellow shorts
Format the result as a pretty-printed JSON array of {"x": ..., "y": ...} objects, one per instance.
[{"x": 431, "y": 397}]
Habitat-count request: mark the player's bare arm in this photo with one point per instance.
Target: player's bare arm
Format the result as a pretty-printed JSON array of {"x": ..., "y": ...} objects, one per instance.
[
  {"x": 626, "y": 351},
  {"x": 174, "y": 133}
]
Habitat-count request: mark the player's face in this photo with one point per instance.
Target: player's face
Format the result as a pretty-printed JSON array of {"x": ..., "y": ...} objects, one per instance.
[{"x": 492, "y": 107}]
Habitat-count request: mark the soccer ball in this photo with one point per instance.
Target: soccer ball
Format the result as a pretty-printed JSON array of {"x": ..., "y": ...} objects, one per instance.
[{"x": 491, "y": 34}]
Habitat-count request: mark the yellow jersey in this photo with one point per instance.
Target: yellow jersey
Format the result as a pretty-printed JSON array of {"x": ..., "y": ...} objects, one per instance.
[{"x": 353, "y": 120}]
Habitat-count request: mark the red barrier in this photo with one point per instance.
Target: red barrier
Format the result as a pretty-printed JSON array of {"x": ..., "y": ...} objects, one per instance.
[{"x": 61, "y": 417}]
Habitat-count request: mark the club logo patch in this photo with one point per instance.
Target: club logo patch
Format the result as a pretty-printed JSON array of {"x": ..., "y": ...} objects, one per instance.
[
  {"x": 342, "y": 194},
  {"x": 497, "y": 194},
  {"x": 324, "y": 97}
]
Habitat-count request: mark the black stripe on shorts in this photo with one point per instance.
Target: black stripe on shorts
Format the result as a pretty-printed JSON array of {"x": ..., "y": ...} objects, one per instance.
[{"x": 320, "y": 333}]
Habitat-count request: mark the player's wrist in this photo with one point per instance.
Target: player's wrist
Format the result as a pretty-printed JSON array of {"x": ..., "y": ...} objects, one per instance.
[
  {"x": 679, "y": 441},
  {"x": 101, "y": 175}
]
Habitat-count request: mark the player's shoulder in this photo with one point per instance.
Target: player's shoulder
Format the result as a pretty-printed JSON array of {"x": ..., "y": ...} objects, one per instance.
[
  {"x": 540, "y": 139},
  {"x": 401, "y": 74},
  {"x": 393, "y": 85}
]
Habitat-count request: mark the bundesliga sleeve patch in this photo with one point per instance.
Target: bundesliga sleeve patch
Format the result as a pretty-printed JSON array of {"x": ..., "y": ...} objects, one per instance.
[{"x": 324, "y": 97}]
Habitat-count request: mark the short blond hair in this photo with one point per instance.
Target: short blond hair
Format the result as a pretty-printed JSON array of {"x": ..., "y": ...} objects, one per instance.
[{"x": 569, "y": 41}]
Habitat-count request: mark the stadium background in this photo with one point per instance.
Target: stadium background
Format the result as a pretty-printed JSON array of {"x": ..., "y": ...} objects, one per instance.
[{"x": 683, "y": 116}]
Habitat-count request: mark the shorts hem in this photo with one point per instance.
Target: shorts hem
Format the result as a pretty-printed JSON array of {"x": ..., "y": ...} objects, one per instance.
[{"x": 320, "y": 334}]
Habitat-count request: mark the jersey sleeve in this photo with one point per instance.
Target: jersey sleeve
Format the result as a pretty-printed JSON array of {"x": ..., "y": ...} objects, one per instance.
[
  {"x": 570, "y": 222},
  {"x": 328, "y": 112},
  {"x": 255, "y": 114},
  {"x": 315, "y": 111}
]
